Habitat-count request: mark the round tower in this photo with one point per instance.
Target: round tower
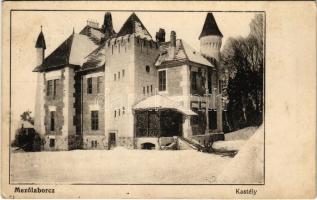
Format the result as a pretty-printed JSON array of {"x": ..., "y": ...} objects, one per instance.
[
  {"x": 39, "y": 96},
  {"x": 40, "y": 48},
  {"x": 210, "y": 39}
]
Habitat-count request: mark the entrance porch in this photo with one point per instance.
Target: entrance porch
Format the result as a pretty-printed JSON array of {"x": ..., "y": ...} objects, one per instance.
[{"x": 159, "y": 121}]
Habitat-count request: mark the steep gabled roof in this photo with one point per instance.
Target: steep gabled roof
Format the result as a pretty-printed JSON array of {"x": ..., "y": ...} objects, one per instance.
[
  {"x": 183, "y": 52},
  {"x": 134, "y": 25},
  {"x": 95, "y": 34},
  {"x": 107, "y": 27},
  {"x": 72, "y": 51},
  {"x": 210, "y": 27},
  {"x": 40, "y": 42},
  {"x": 97, "y": 58}
]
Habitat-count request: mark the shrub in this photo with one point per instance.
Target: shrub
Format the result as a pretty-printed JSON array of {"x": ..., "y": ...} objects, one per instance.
[{"x": 27, "y": 139}]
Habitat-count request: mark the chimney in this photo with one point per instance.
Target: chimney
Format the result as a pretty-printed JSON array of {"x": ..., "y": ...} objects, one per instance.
[
  {"x": 172, "y": 48},
  {"x": 160, "y": 35}
]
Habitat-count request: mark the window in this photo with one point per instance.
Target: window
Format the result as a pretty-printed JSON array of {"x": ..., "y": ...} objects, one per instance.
[
  {"x": 52, "y": 142},
  {"x": 123, "y": 73},
  {"x": 119, "y": 112},
  {"x": 147, "y": 69},
  {"x": 123, "y": 110},
  {"x": 94, "y": 144},
  {"x": 114, "y": 77},
  {"x": 54, "y": 88},
  {"x": 94, "y": 120},
  {"x": 89, "y": 85},
  {"x": 143, "y": 90},
  {"x": 151, "y": 88},
  {"x": 49, "y": 87},
  {"x": 115, "y": 114},
  {"x": 147, "y": 89},
  {"x": 118, "y": 75},
  {"x": 194, "y": 80},
  {"x": 52, "y": 116},
  {"x": 209, "y": 82},
  {"x": 99, "y": 83},
  {"x": 212, "y": 115},
  {"x": 162, "y": 80},
  {"x": 220, "y": 86}
]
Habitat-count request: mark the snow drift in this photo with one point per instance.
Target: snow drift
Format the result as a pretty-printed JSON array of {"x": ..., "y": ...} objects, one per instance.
[{"x": 247, "y": 167}]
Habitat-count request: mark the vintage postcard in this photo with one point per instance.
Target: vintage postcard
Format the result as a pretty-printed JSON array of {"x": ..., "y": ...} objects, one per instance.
[{"x": 158, "y": 99}]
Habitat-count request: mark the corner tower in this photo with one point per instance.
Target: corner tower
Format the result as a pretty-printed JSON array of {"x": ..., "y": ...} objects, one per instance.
[
  {"x": 40, "y": 48},
  {"x": 210, "y": 38}
]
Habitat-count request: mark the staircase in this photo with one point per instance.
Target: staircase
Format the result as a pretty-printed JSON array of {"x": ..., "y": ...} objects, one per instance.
[{"x": 186, "y": 143}]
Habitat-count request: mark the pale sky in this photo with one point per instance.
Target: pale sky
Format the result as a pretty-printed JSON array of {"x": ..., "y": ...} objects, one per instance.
[{"x": 57, "y": 26}]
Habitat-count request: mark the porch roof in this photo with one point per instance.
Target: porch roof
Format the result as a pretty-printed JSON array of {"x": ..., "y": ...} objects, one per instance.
[{"x": 162, "y": 102}]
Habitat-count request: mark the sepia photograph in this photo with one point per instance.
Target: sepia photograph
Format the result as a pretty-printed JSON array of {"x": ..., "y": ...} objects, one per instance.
[
  {"x": 137, "y": 97},
  {"x": 158, "y": 100}
]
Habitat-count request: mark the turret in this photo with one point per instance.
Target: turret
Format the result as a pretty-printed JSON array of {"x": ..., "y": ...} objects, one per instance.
[
  {"x": 40, "y": 48},
  {"x": 107, "y": 26},
  {"x": 210, "y": 39},
  {"x": 39, "y": 97}
]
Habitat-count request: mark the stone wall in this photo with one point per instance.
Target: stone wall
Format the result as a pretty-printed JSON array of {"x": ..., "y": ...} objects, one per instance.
[
  {"x": 54, "y": 103},
  {"x": 61, "y": 143},
  {"x": 145, "y": 54},
  {"x": 68, "y": 128},
  {"x": 101, "y": 140},
  {"x": 119, "y": 85},
  {"x": 127, "y": 142},
  {"x": 62, "y": 103},
  {"x": 93, "y": 102},
  {"x": 210, "y": 46},
  {"x": 125, "y": 77}
]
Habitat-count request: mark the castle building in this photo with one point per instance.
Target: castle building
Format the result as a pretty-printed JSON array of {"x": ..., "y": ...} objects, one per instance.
[{"x": 102, "y": 88}]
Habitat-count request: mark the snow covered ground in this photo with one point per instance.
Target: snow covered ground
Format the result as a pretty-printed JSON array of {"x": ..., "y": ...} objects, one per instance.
[
  {"x": 123, "y": 166},
  {"x": 117, "y": 166},
  {"x": 248, "y": 165}
]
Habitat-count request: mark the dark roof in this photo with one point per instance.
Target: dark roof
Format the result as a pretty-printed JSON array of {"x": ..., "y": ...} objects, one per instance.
[
  {"x": 40, "y": 42},
  {"x": 95, "y": 58},
  {"x": 107, "y": 27},
  {"x": 60, "y": 56},
  {"x": 183, "y": 52},
  {"x": 134, "y": 25},
  {"x": 210, "y": 27},
  {"x": 95, "y": 34}
]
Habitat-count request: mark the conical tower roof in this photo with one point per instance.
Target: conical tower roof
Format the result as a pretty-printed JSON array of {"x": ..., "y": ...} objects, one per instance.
[
  {"x": 40, "y": 42},
  {"x": 210, "y": 27},
  {"x": 107, "y": 26},
  {"x": 134, "y": 25}
]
